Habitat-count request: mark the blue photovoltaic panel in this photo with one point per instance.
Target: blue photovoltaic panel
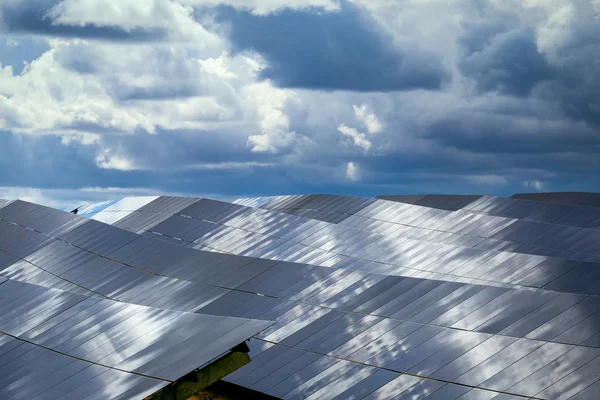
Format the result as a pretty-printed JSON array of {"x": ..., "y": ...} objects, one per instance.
[
  {"x": 369, "y": 298},
  {"x": 145, "y": 348},
  {"x": 574, "y": 198}
]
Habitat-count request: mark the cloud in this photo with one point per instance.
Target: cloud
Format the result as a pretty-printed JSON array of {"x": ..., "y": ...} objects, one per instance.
[
  {"x": 352, "y": 172},
  {"x": 358, "y": 138},
  {"x": 40, "y": 101},
  {"x": 368, "y": 119},
  {"x": 108, "y": 159},
  {"x": 541, "y": 49},
  {"x": 272, "y": 141},
  {"x": 28, "y": 194},
  {"x": 511, "y": 129},
  {"x": 535, "y": 184},
  {"x": 264, "y": 7},
  {"x": 275, "y": 135},
  {"x": 342, "y": 50},
  {"x": 125, "y": 21},
  {"x": 570, "y": 37},
  {"x": 228, "y": 165},
  {"x": 508, "y": 62},
  {"x": 487, "y": 180},
  {"x": 246, "y": 97},
  {"x": 116, "y": 90},
  {"x": 36, "y": 17}
]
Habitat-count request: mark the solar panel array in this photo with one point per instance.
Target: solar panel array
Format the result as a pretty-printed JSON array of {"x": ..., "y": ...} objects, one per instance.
[
  {"x": 442, "y": 201},
  {"x": 370, "y": 298},
  {"x": 562, "y": 214},
  {"x": 75, "y": 324},
  {"x": 573, "y": 198}
]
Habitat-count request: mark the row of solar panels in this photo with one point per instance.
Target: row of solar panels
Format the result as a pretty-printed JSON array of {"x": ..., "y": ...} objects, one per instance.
[
  {"x": 61, "y": 338},
  {"x": 318, "y": 206},
  {"x": 572, "y": 198},
  {"x": 521, "y": 206},
  {"x": 553, "y": 270},
  {"x": 330, "y": 314},
  {"x": 235, "y": 229},
  {"x": 60, "y": 345},
  {"x": 72, "y": 264},
  {"x": 532, "y": 232}
]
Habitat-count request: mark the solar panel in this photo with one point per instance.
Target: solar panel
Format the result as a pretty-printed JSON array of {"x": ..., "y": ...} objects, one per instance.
[
  {"x": 369, "y": 298},
  {"x": 49, "y": 333}
]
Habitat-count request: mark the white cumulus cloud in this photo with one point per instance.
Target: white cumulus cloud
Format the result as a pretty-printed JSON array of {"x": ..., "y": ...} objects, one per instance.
[
  {"x": 352, "y": 172},
  {"x": 174, "y": 17},
  {"x": 275, "y": 135},
  {"x": 108, "y": 159},
  {"x": 534, "y": 184},
  {"x": 358, "y": 138},
  {"x": 367, "y": 118},
  {"x": 491, "y": 180}
]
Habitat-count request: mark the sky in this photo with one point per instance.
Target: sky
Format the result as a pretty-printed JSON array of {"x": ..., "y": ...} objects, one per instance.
[{"x": 104, "y": 99}]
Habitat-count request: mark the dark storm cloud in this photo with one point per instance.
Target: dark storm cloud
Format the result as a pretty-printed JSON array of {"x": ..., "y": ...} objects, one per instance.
[
  {"x": 495, "y": 133},
  {"x": 576, "y": 89},
  {"x": 505, "y": 61},
  {"x": 444, "y": 171},
  {"x": 342, "y": 50},
  {"x": 502, "y": 56},
  {"x": 31, "y": 18}
]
